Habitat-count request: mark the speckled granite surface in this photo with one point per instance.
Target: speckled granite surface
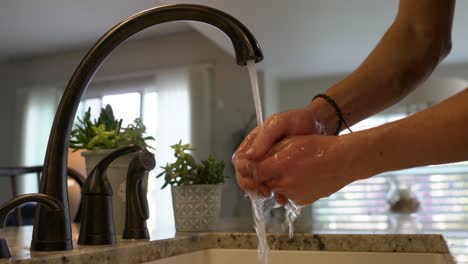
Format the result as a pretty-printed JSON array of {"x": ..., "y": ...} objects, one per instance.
[{"x": 137, "y": 251}]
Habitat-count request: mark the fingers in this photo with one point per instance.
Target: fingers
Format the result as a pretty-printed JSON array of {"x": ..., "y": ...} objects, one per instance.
[
  {"x": 274, "y": 165},
  {"x": 273, "y": 130},
  {"x": 245, "y": 145},
  {"x": 264, "y": 190},
  {"x": 281, "y": 199},
  {"x": 249, "y": 185},
  {"x": 240, "y": 152},
  {"x": 246, "y": 184},
  {"x": 245, "y": 168},
  {"x": 245, "y": 173}
]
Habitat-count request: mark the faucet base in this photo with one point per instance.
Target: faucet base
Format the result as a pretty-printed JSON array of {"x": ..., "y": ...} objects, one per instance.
[
  {"x": 4, "y": 251},
  {"x": 136, "y": 234},
  {"x": 94, "y": 240},
  {"x": 52, "y": 229},
  {"x": 37, "y": 245}
]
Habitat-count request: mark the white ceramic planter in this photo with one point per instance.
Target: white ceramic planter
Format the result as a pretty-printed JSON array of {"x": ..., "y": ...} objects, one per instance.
[
  {"x": 116, "y": 174},
  {"x": 196, "y": 207}
]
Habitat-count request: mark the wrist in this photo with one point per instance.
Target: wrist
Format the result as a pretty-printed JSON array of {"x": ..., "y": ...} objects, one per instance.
[
  {"x": 338, "y": 113},
  {"x": 364, "y": 154},
  {"x": 325, "y": 114}
]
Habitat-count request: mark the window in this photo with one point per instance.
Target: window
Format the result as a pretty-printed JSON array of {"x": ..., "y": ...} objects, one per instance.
[
  {"x": 362, "y": 206},
  {"x": 37, "y": 107},
  {"x": 166, "y": 101},
  {"x": 138, "y": 103},
  {"x": 167, "y": 106},
  {"x": 126, "y": 106}
]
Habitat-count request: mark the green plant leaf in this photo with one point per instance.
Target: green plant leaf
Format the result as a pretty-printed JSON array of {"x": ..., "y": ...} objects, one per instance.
[
  {"x": 185, "y": 171},
  {"x": 106, "y": 132}
]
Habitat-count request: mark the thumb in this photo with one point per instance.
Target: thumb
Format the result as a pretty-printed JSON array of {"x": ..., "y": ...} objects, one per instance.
[{"x": 273, "y": 131}]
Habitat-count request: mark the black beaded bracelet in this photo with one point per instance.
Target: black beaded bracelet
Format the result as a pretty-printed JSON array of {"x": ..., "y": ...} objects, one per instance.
[{"x": 339, "y": 114}]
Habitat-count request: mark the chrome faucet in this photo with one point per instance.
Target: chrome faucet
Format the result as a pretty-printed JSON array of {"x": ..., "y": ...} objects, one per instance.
[{"x": 52, "y": 231}]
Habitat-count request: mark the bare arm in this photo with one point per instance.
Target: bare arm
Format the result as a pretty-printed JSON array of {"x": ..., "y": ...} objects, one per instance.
[
  {"x": 418, "y": 39},
  {"x": 436, "y": 135},
  {"x": 307, "y": 168}
]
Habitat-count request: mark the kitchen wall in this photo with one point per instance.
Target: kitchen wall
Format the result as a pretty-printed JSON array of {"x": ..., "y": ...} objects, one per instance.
[
  {"x": 232, "y": 104},
  {"x": 295, "y": 93},
  {"x": 459, "y": 70}
]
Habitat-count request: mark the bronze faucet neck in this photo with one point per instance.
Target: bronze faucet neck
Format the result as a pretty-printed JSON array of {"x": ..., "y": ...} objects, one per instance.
[{"x": 57, "y": 236}]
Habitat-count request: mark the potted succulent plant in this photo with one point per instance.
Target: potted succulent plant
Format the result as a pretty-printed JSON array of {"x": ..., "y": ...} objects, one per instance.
[
  {"x": 98, "y": 138},
  {"x": 196, "y": 189}
]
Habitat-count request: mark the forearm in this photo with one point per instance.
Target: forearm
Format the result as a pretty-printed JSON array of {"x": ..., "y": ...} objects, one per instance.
[
  {"x": 436, "y": 135},
  {"x": 416, "y": 42}
]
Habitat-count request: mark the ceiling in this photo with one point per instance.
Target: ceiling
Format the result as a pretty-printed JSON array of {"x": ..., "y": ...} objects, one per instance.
[
  {"x": 38, "y": 27},
  {"x": 298, "y": 38}
]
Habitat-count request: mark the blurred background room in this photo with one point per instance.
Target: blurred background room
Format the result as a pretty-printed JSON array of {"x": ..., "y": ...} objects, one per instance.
[{"x": 182, "y": 80}]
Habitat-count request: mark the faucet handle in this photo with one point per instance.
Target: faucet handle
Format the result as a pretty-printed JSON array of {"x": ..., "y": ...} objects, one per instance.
[
  {"x": 147, "y": 160},
  {"x": 5, "y": 209},
  {"x": 136, "y": 208},
  {"x": 147, "y": 163},
  {"x": 97, "y": 221}
]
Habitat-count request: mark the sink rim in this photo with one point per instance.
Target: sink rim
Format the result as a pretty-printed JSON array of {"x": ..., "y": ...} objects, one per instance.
[{"x": 219, "y": 255}]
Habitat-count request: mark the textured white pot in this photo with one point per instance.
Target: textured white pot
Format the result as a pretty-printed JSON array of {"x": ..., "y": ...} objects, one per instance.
[
  {"x": 196, "y": 207},
  {"x": 116, "y": 174}
]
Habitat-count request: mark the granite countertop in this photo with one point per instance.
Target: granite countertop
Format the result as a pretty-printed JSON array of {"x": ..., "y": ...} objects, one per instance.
[{"x": 137, "y": 251}]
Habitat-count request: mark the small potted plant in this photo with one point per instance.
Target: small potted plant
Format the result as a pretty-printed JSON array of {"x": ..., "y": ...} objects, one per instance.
[
  {"x": 196, "y": 189},
  {"x": 99, "y": 137}
]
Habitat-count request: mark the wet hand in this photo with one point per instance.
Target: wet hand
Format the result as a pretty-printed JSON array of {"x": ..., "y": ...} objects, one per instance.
[
  {"x": 291, "y": 123},
  {"x": 307, "y": 168}
]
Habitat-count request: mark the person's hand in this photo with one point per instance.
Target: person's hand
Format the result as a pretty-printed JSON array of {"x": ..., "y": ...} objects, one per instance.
[
  {"x": 307, "y": 168},
  {"x": 301, "y": 121}
]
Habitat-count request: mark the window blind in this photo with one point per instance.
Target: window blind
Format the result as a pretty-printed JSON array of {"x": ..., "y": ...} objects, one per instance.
[{"x": 362, "y": 207}]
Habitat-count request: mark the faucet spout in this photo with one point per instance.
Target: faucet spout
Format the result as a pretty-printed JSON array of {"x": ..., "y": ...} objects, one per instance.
[{"x": 47, "y": 237}]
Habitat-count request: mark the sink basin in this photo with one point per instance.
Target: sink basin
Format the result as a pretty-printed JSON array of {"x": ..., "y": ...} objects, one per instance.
[{"x": 249, "y": 256}]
